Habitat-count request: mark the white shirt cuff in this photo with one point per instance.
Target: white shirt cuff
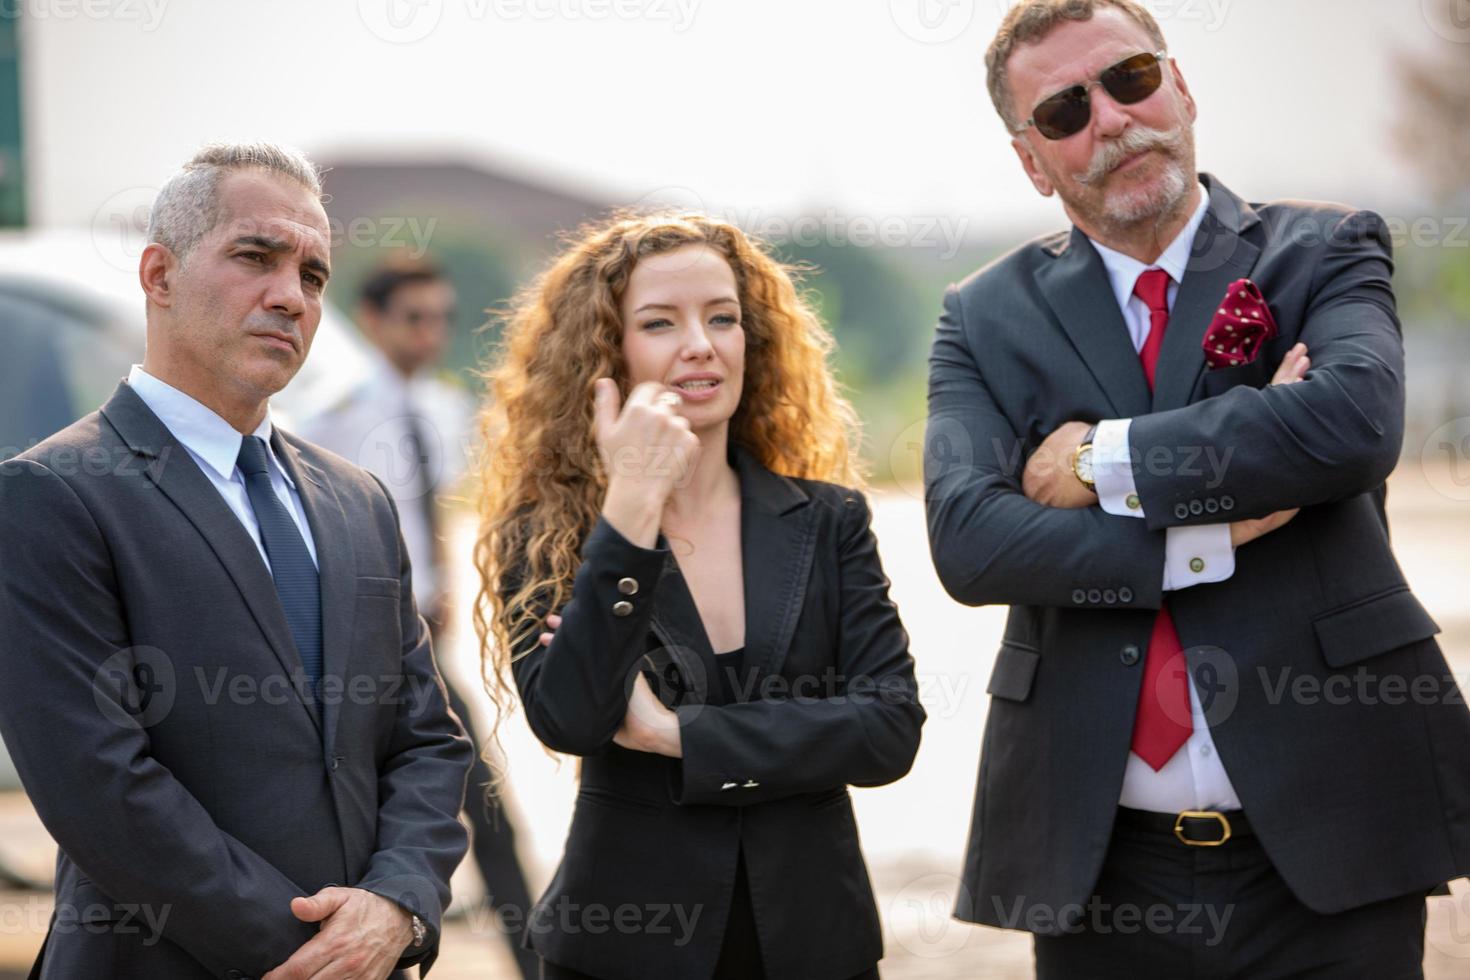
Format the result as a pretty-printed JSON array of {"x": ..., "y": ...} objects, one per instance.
[
  {"x": 1112, "y": 469},
  {"x": 1197, "y": 554}
]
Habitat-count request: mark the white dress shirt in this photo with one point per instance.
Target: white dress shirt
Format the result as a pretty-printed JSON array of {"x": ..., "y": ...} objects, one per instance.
[
  {"x": 214, "y": 445},
  {"x": 1194, "y": 778}
]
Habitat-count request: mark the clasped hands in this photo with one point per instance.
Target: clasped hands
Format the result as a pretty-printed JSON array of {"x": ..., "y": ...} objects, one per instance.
[
  {"x": 362, "y": 937},
  {"x": 1049, "y": 478}
]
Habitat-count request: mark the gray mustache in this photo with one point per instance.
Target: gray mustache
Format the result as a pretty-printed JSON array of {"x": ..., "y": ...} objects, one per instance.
[{"x": 1134, "y": 141}]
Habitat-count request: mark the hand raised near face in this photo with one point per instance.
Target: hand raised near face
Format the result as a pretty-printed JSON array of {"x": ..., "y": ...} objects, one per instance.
[{"x": 647, "y": 449}]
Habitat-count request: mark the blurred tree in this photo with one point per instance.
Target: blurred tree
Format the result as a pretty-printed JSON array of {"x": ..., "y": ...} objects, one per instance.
[{"x": 1434, "y": 135}]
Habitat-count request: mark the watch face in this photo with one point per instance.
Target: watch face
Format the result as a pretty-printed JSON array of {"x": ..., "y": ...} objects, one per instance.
[{"x": 1084, "y": 465}]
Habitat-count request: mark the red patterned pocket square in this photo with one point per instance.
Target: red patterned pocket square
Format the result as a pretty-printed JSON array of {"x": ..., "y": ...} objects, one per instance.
[{"x": 1241, "y": 327}]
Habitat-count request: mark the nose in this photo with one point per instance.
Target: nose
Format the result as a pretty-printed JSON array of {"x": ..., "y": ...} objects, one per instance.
[
  {"x": 1109, "y": 118},
  {"x": 284, "y": 293},
  {"x": 697, "y": 346}
]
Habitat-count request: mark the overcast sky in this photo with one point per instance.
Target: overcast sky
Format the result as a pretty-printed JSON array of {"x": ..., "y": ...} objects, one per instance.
[{"x": 869, "y": 107}]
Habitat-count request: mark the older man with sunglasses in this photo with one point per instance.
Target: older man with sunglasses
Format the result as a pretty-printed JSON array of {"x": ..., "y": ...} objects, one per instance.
[{"x": 1222, "y": 741}]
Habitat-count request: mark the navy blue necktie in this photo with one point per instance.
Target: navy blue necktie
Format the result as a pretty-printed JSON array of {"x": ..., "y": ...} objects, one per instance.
[{"x": 291, "y": 566}]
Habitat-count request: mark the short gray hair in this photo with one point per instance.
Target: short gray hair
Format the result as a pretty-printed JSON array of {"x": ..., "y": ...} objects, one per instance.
[
  {"x": 187, "y": 207},
  {"x": 1028, "y": 21}
]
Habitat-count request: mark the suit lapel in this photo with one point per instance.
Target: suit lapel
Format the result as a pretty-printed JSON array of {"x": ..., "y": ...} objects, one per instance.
[
  {"x": 181, "y": 480},
  {"x": 777, "y": 542},
  {"x": 1218, "y": 257},
  {"x": 337, "y": 570},
  {"x": 1075, "y": 285},
  {"x": 679, "y": 629}
]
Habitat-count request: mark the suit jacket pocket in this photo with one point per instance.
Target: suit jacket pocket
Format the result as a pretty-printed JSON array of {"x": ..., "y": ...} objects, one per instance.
[
  {"x": 1370, "y": 626},
  {"x": 378, "y": 585},
  {"x": 1014, "y": 671},
  {"x": 602, "y": 796},
  {"x": 1217, "y": 381}
]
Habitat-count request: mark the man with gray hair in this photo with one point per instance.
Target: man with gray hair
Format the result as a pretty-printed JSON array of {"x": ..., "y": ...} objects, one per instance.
[
  {"x": 1162, "y": 438},
  {"x": 219, "y": 693}
]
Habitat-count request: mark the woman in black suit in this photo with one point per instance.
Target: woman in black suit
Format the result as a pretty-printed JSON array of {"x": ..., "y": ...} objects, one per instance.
[{"x": 726, "y": 659}]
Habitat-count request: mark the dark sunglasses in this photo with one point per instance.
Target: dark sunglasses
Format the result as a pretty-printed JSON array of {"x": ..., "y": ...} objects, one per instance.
[{"x": 1130, "y": 80}]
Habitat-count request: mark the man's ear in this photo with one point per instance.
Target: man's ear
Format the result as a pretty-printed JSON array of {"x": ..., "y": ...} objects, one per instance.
[
  {"x": 157, "y": 271},
  {"x": 1039, "y": 180},
  {"x": 1183, "y": 90}
]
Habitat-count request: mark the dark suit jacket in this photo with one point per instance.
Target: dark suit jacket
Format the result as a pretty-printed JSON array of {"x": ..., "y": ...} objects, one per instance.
[
  {"x": 1355, "y": 798},
  {"x": 662, "y": 835},
  {"x": 149, "y": 710}
]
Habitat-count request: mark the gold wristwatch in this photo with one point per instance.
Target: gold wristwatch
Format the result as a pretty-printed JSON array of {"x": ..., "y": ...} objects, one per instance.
[{"x": 1082, "y": 460}]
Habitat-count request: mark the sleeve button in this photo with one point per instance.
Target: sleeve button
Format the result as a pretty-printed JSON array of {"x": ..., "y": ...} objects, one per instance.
[
  {"x": 1125, "y": 594},
  {"x": 1196, "y": 508},
  {"x": 1181, "y": 510},
  {"x": 1094, "y": 596},
  {"x": 622, "y": 608},
  {"x": 1227, "y": 502},
  {"x": 1109, "y": 596},
  {"x": 1211, "y": 505},
  {"x": 1078, "y": 596},
  {"x": 628, "y": 586}
]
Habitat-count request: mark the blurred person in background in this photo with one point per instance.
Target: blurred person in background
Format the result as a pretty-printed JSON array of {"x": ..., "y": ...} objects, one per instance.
[
  {"x": 209, "y": 629},
  {"x": 412, "y": 430},
  {"x": 688, "y": 606},
  {"x": 1208, "y": 396}
]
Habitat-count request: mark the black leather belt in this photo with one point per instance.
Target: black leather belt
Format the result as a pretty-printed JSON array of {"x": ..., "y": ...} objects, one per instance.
[{"x": 1195, "y": 828}]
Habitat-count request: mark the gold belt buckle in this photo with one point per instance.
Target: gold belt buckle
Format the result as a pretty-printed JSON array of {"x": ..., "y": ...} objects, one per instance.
[{"x": 1203, "y": 815}]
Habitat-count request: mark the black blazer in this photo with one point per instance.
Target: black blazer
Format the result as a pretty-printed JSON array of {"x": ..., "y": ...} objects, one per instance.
[
  {"x": 1355, "y": 799},
  {"x": 661, "y": 836},
  {"x": 148, "y": 708}
]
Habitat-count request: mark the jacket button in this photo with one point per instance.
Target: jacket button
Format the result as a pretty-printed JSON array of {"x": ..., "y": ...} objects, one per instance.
[
  {"x": 1181, "y": 510},
  {"x": 1125, "y": 594},
  {"x": 1227, "y": 502},
  {"x": 1196, "y": 508},
  {"x": 725, "y": 786},
  {"x": 1211, "y": 505},
  {"x": 628, "y": 586},
  {"x": 1094, "y": 596},
  {"x": 1078, "y": 596},
  {"x": 622, "y": 608},
  {"x": 1109, "y": 596},
  {"x": 749, "y": 784},
  {"x": 1129, "y": 655},
  {"x": 334, "y": 762}
]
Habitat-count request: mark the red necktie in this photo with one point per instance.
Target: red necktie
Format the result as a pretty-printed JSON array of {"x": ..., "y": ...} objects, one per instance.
[{"x": 1164, "y": 722}]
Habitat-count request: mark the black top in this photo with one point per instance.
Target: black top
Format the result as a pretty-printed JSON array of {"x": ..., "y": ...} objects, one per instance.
[{"x": 727, "y": 677}]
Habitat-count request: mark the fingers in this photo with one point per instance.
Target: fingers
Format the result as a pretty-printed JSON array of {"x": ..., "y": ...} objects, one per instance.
[
  {"x": 1294, "y": 366},
  {"x": 1282, "y": 516},
  {"x": 315, "y": 908},
  {"x": 605, "y": 406}
]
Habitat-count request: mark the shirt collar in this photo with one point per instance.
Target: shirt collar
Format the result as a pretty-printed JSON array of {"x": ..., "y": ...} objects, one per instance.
[
  {"x": 1124, "y": 270},
  {"x": 198, "y": 427}
]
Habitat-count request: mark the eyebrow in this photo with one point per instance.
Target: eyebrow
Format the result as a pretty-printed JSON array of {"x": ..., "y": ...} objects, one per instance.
[
  {"x": 670, "y": 306},
  {"x": 281, "y": 245}
]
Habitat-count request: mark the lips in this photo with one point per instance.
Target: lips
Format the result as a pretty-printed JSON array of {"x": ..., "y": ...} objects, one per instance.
[
  {"x": 697, "y": 387},
  {"x": 281, "y": 340}
]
